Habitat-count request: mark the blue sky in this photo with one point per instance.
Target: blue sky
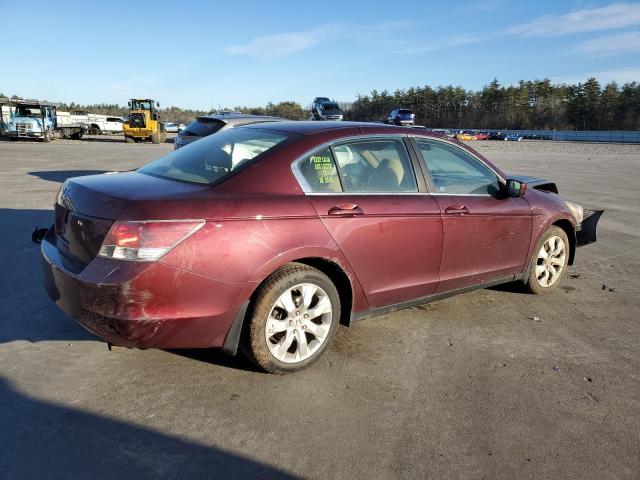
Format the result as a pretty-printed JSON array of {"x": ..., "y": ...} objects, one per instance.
[{"x": 248, "y": 53}]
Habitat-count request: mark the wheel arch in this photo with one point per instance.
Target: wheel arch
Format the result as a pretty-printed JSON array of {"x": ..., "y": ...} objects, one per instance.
[
  {"x": 339, "y": 278},
  {"x": 568, "y": 228},
  {"x": 330, "y": 268}
]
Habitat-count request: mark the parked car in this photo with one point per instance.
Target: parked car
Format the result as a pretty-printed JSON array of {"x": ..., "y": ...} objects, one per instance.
[
  {"x": 513, "y": 137},
  {"x": 270, "y": 235},
  {"x": 465, "y": 135},
  {"x": 207, "y": 125},
  {"x": 99, "y": 124},
  {"x": 173, "y": 127},
  {"x": 497, "y": 136},
  {"x": 325, "y": 109},
  {"x": 481, "y": 136},
  {"x": 401, "y": 116},
  {"x": 443, "y": 131}
]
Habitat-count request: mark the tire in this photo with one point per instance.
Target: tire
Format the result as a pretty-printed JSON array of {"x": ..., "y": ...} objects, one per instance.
[
  {"x": 279, "y": 307},
  {"x": 155, "y": 138},
  {"x": 128, "y": 139},
  {"x": 46, "y": 137},
  {"x": 546, "y": 273}
]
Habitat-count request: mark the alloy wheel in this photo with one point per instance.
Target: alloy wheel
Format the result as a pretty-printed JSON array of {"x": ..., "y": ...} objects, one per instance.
[
  {"x": 550, "y": 261},
  {"x": 298, "y": 323}
]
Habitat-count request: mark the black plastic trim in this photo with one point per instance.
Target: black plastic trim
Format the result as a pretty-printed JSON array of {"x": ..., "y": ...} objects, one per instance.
[
  {"x": 232, "y": 340},
  {"x": 373, "y": 312},
  {"x": 588, "y": 228}
]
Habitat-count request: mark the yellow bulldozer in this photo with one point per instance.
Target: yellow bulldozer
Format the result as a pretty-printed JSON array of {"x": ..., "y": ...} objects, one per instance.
[{"x": 143, "y": 122}]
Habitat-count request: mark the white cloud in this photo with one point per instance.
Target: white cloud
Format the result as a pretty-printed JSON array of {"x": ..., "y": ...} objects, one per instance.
[
  {"x": 624, "y": 75},
  {"x": 416, "y": 48},
  {"x": 612, "y": 44},
  {"x": 291, "y": 42},
  {"x": 277, "y": 45},
  {"x": 616, "y": 15}
]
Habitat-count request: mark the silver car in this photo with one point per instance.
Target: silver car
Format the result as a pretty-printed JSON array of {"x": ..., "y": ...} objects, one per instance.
[{"x": 207, "y": 125}]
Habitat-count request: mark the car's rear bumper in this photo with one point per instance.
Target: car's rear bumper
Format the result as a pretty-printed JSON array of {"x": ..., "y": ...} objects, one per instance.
[
  {"x": 143, "y": 304},
  {"x": 588, "y": 228}
]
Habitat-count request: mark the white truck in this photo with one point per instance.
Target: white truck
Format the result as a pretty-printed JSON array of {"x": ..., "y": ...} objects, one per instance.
[{"x": 96, "y": 124}]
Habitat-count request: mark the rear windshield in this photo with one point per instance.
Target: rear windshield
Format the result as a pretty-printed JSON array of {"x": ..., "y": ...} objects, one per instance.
[
  {"x": 203, "y": 127},
  {"x": 213, "y": 158},
  {"x": 405, "y": 112}
]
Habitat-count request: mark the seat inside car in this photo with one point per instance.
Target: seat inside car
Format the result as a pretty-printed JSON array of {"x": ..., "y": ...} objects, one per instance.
[{"x": 387, "y": 176}]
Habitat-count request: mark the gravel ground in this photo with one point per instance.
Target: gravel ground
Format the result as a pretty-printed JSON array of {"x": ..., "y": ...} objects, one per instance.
[{"x": 491, "y": 384}]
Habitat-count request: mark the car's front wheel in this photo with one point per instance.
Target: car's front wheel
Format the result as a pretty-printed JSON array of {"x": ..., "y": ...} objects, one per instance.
[
  {"x": 549, "y": 261},
  {"x": 292, "y": 319}
]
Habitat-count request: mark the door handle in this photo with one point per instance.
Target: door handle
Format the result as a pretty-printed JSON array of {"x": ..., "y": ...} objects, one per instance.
[
  {"x": 345, "y": 209},
  {"x": 456, "y": 209}
]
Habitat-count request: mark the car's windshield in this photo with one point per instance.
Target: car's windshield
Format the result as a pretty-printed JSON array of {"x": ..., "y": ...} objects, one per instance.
[
  {"x": 27, "y": 111},
  {"x": 215, "y": 157},
  {"x": 405, "y": 112},
  {"x": 330, "y": 107}
]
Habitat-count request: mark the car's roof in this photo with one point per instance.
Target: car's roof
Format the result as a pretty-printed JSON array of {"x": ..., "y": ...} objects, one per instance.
[
  {"x": 240, "y": 118},
  {"x": 313, "y": 127}
]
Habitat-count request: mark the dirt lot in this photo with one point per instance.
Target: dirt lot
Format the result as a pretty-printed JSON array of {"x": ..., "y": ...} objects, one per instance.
[{"x": 492, "y": 384}]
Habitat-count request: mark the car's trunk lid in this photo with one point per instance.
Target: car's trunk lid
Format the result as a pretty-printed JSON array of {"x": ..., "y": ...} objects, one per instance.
[{"x": 86, "y": 208}]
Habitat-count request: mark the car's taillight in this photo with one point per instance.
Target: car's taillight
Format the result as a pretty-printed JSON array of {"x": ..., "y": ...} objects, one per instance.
[{"x": 146, "y": 241}]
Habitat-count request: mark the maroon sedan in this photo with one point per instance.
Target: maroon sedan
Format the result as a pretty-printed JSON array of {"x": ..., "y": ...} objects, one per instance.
[{"x": 267, "y": 237}]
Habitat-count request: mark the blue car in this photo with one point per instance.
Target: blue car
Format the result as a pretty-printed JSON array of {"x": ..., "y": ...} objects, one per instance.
[
  {"x": 401, "y": 116},
  {"x": 513, "y": 137}
]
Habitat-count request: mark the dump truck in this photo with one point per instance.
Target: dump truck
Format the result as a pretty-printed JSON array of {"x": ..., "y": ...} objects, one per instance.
[
  {"x": 143, "y": 122},
  {"x": 36, "y": 119}
]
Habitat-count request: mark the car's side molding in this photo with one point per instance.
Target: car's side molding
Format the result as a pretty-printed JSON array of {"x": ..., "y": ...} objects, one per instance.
[{"x": 357, "y": 316}]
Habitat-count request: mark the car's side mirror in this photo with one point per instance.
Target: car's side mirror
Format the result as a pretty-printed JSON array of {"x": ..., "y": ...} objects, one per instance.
[{"x": 516, "y": 188}]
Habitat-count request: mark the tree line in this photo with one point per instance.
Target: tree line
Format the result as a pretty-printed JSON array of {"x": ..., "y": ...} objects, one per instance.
[{"x": 537, "y": 104}]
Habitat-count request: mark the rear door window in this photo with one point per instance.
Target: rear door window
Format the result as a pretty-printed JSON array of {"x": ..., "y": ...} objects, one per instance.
[{"x": 376, "y": 165}]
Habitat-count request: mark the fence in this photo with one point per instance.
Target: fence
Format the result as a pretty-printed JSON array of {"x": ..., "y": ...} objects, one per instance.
[{"x": 575, "y": 136}]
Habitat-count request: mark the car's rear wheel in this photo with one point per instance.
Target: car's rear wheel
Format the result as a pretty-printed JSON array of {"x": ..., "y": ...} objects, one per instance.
[
  {"x": 292, "y": 319},
  {"x": 549, "y": 261}
]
